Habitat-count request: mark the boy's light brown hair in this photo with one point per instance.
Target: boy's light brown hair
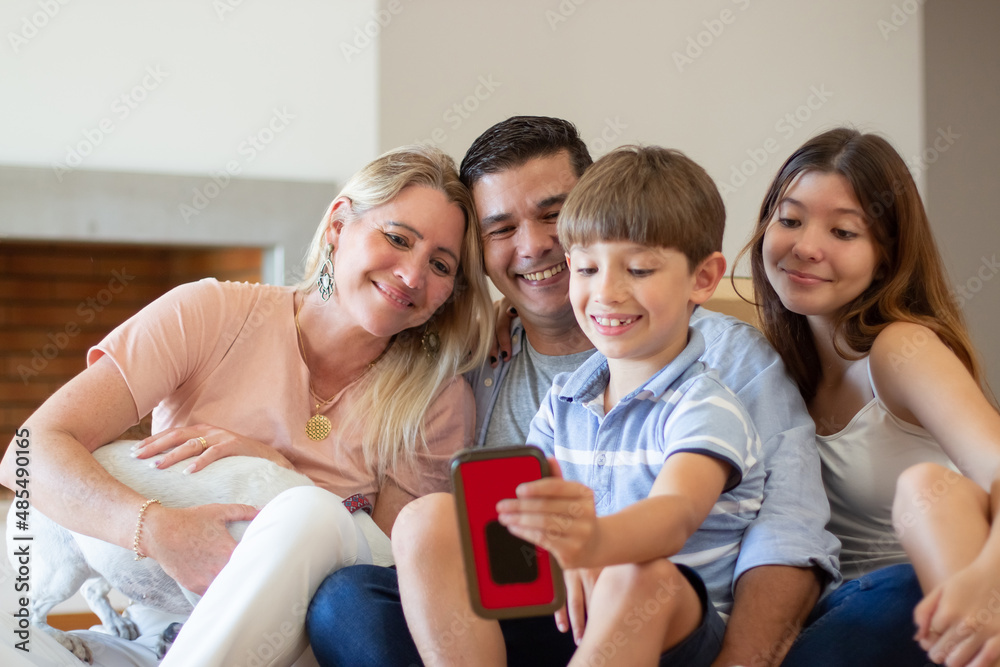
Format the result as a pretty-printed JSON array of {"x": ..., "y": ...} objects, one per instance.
[{"x": 648, "y": 195}]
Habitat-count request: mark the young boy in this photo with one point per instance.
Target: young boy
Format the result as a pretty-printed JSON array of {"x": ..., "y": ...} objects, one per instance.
[{"x": 659, "y": 460}]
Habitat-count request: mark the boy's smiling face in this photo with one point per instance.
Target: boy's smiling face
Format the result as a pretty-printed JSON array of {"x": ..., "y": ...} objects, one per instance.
[{"x": 634, "y": 303}]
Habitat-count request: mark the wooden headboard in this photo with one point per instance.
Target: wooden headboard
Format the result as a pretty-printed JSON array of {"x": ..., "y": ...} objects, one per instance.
[{"x": 726, "y": 300}]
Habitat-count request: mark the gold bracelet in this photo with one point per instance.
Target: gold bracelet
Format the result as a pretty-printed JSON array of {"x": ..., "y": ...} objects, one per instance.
[{"x": 138, "y": 528}]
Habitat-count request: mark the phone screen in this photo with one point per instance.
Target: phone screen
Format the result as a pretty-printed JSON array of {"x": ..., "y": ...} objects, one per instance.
[{"x": 509, "y": 572}]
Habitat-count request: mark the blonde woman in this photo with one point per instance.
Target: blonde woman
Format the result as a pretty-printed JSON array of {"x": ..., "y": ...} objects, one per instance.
[{"x": 349, "y": 377}]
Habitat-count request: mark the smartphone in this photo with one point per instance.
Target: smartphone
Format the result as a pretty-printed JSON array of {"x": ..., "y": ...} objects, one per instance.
[{"x": 508, "y": 577}]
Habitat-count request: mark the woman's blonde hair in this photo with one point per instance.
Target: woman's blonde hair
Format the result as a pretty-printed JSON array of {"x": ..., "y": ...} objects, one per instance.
[
  {"x": 909, "y": 283},
  {"x": 404, "y": 384}
]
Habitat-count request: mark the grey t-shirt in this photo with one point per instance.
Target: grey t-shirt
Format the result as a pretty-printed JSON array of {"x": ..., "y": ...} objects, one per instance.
[{"x": 528, "y": 380}]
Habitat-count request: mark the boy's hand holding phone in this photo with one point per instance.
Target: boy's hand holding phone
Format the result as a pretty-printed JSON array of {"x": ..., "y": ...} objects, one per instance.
[
  {"x": 560, "y": 517},
  {"x": 557, "y": 515},
  {"x": 507, "y": 576}
]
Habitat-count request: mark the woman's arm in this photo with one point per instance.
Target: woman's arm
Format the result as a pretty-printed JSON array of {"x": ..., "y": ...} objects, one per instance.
[
  {"x": 204, "y": 444},
  {"x": 391, "y": 499},
  {"x": 69, "y": 486},
  {"x": 66, "y": 483}
]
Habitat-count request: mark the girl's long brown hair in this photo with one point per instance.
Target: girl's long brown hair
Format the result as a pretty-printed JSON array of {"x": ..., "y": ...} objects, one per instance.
[{"x": 910, "y": 284}]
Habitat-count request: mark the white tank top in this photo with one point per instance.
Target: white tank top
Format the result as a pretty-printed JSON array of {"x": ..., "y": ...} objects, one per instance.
[{"x": 861, "y": 464}]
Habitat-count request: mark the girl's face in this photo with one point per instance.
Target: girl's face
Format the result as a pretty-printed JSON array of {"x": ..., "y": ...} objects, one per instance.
[
  {"x": 396, "y": 264},
  {"x": 818, "y": 251}
]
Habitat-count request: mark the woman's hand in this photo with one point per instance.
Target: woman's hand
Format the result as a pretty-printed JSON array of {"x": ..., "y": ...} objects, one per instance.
[
  {"x": 557, "y": 515},
  {"x": 959, "y": 621},
  {"x": 192, "y": 544},
  {"x": 204, "y": 442},
  {"x": 579, "y": 587}
]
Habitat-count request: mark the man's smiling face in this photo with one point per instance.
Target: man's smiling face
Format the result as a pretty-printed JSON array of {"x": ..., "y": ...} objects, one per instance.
[{"x": 517, "y": 213}]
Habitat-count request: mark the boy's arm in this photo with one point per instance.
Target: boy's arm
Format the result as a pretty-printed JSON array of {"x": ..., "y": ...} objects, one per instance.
[
  {"x": 560, "y": 516},
  {"x": 683, "y": 494}
]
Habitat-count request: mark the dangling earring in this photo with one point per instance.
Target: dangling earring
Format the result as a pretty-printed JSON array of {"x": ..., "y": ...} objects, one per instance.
[
  {"x": 431, "y": 342},
  {"x": 326, "y": 282}
]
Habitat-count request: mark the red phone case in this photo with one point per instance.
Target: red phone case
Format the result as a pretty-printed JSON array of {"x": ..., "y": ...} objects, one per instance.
[{"x": 507, "y": 576}]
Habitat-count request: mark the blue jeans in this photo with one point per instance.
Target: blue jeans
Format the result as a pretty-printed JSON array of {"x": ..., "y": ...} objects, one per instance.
[
  {"x": 867, "y": 622},
  {"x": 356, "y": 619}
]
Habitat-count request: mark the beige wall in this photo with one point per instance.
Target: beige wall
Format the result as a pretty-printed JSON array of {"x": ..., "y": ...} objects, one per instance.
[
  {"x": 962, "y": 140},
  {"x": 451, "y": 68},
  {"x": 181, "y": 85}
]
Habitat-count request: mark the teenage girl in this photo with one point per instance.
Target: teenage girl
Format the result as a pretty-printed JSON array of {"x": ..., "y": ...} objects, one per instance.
[{"x": 852, "y": 292}]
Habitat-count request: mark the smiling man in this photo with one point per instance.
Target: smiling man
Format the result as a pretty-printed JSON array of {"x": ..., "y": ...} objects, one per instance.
[
  {"x": 527, "y": 264},
  {"x": 520, "y": 172},
  {"x": 518, "y": 195}
]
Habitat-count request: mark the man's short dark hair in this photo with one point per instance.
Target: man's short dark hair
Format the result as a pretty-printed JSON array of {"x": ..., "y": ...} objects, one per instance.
[{"x": 512, "y": 142}]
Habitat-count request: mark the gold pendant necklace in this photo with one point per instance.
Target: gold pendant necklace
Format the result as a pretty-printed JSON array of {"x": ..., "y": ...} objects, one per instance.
[{"x": 319, "y": 426}]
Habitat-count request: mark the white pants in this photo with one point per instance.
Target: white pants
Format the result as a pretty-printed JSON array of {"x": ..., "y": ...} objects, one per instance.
[{"x": 254, "y": 612}]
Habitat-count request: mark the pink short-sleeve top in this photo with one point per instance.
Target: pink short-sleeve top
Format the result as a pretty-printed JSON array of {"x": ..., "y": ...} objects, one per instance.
[{"x": 226, "y": 354}]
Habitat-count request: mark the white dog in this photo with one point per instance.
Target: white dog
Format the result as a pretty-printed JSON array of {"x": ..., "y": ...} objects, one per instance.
[{"x": 65, "y": 562}]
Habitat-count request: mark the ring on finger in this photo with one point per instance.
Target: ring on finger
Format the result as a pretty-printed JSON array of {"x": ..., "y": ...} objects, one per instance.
[{"x": 204, "y": 443}]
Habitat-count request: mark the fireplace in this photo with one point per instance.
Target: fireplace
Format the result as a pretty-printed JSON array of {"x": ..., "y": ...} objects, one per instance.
[{"x": 59, "y": 299}]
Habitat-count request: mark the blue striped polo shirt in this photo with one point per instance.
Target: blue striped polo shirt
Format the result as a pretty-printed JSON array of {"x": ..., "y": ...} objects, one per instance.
[{"x": 683, "y": 408}]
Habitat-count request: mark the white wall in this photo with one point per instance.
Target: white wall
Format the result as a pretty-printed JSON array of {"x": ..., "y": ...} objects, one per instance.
[
  {"x": 238, "y": 97},
  {"x": 610, "y": 67},
  {"x": 220, "y": 74}
]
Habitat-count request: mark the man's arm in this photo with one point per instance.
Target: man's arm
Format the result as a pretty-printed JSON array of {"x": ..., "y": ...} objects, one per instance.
[
  {"x": 771, "y": 602},
  {"x": 786, "y": 551}
]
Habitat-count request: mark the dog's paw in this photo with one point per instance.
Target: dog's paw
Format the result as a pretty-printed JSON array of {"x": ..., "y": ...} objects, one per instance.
[
  {"x": 166, "y": 639},
  {"x": 73, "y": 644},
  {"x": 120, "y": 626}
]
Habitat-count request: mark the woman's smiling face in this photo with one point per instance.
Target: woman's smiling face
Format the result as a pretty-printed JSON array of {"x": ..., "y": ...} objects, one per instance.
[{"x": 395, "y": 265}]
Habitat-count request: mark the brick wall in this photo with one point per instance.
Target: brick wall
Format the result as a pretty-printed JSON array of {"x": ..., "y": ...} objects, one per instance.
[{"x": 57, "y": 300}]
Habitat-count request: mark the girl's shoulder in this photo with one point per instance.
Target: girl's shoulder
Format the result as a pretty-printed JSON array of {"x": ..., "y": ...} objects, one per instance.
[
  {"x": 909, "y": 362},
  {"x": 903, "y": 341}
]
